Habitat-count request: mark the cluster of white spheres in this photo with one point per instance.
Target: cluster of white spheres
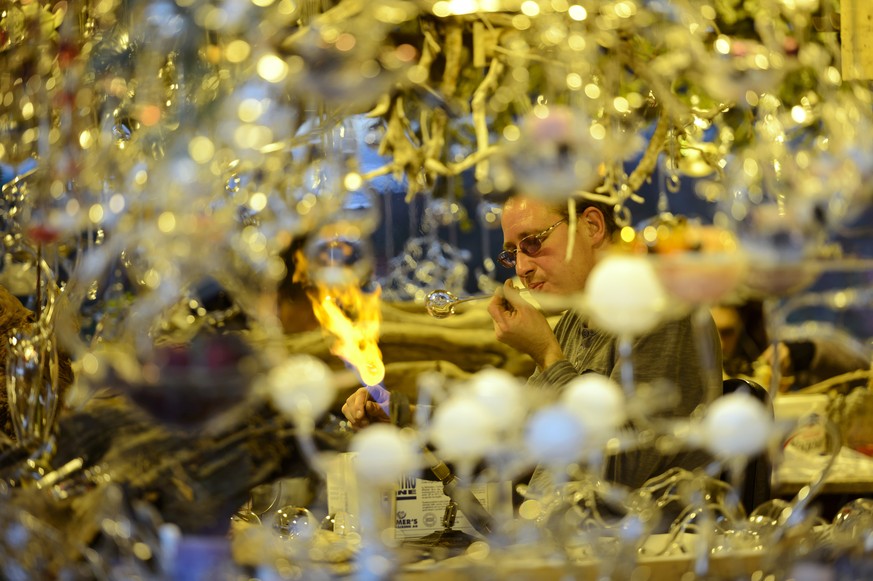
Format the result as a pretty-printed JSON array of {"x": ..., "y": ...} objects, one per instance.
[
  {"x": 301, "y": 387},
  {"x": 736, "y": 425},
  {"x": 623, "y": 295},
  {"x": 487, "y": 407}
]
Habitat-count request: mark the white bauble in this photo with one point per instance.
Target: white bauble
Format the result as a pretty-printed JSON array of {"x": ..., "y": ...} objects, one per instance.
[
  {"x": 554, "y": 436},
  {"x": 736, "y": 425},
  {"x": 463, "y": 428},
  {"x": 383, "y": 453},
  {"x": 501, "y": 393},
  {"x": 624, "y": 295},
  {"x": 597, "y": 401},
  {"x": 301, "y": 387}
]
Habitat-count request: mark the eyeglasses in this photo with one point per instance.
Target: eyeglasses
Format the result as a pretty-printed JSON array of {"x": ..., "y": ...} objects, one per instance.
[{"x": 529, "y": 245}]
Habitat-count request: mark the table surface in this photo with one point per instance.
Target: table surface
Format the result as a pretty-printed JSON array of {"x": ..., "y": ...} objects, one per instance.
[
  {"x": 744, "y": 565},
  {"x": 852, "y": 473}
]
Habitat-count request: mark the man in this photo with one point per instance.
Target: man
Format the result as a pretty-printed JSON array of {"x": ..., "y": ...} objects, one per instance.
[{"x": 536, "y": 236}]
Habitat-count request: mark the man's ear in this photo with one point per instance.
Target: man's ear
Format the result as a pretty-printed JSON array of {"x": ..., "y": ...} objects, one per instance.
[{"x": 592, "y": 219}]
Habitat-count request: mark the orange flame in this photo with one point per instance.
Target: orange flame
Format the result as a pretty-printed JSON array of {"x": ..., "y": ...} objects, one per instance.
[{"x": 353, "y": 318}]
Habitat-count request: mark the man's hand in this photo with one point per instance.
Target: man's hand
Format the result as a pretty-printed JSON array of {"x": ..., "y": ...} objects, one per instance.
[
  {"x": 360, "y": 410},
  {"x": 520, "y": 325},
  {"x": 763, "y": 367}
]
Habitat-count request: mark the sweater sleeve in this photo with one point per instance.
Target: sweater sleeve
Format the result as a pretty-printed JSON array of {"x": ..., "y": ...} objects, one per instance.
[{"x": 671, "y": 353}]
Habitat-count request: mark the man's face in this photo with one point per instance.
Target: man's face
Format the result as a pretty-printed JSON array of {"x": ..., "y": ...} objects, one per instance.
[
  {"x": 730, "y": 326},
  {"x": 548, "y": 271}
]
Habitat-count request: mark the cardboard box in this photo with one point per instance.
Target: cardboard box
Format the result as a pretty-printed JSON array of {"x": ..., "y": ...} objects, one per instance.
[{"x": 418, "y": 505}]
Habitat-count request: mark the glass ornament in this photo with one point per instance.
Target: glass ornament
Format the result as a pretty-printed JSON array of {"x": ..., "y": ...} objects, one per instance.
[
  {"x": 196, "y": 386},
  {"x": 554, "y": 156},
  {"x": 463, "y": 429},
  {"x": 32, "y": 384},
  {"x": 853, "y": 523},
  {"x": 294, "y": 523},
  {"x": 342, "y": 523},
  {"x": 441, "y": 303},
  {"x": 555, "y": 437}
]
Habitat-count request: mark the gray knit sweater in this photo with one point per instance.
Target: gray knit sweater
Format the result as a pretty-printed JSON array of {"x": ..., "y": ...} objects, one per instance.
[{"x": 669, "y": 353}]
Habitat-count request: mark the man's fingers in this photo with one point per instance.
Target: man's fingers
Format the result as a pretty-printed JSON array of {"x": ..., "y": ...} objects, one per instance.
[
  {"x": 353, "y": 408},
  {"x": 498, "y": 304},
  {"x": 360, "y": 398},
  {"x": 355, "y": 418},
  {"x": 374, "y": 410},
  {"x": 511, "y": 295},
  {"x": 361, "y": 411}
]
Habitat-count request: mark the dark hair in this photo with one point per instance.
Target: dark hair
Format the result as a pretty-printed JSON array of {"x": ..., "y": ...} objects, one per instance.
[
  {"x": 752, "y": 340},
  {"x": 608, "y": 211}
]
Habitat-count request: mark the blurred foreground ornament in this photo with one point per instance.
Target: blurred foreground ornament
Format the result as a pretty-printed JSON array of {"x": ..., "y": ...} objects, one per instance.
[
  {"x": 464, "y": 431},
  {"x": 553, "y": 157},
  {"x": 294, "y": 522},
  {"x": 302, "y": 387},
  {"x": 746, "y": 66},
  {"x": 34, "y": 549},
  {"x": 624, "y": 295},
  {"x": 339, "y": 254},
  {"x": 598, "y": 402},
  {"x": 200, "y": 385},
  {"x": 781, "y": 246},
  {"x": 854, "y": 521},
  {"x": 556, "y": 437},
  {"x": 502, "y": 394},
  {"x": 32, "y": 385},
  {"x": 737, "y": 424},
  {"x": 697, "y": 264},
  {"x": 384, "y": 453},
  {"x": 350, "y": 55},
  {"x": 36, "y": 373}
]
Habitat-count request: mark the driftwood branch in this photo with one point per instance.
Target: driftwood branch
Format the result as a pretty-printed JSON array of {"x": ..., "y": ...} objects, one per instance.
[{"x": 649, "y": 161}]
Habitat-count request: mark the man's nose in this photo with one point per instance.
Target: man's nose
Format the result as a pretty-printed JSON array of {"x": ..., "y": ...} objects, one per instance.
[{"x": 523, "y": 264}]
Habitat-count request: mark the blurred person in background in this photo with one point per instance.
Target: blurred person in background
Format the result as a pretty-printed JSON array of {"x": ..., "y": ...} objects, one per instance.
[{"x": 748, "y": 353}]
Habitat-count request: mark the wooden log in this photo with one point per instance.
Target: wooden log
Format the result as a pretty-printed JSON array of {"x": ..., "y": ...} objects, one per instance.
[{"x": 856, "y": 33}]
